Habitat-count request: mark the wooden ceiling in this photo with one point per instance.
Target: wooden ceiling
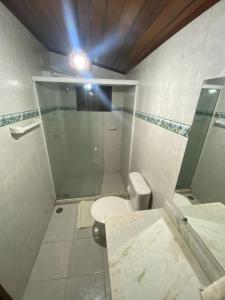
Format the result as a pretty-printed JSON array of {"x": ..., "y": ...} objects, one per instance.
[{"x": 117, "y": 34}]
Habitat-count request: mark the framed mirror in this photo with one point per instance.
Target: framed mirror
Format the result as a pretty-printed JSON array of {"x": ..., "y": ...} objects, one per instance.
[{"x": 200, "y": 189}]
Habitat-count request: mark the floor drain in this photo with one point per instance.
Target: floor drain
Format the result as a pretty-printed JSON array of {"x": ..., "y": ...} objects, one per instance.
[
  {"x": 59, "y": 210},
  {"x": 66, "y": 195},
  {"x": 191, "y": 197}
]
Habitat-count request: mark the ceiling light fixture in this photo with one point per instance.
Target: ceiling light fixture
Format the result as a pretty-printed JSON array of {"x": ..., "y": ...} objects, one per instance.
[{"x": 78, "y": 60}]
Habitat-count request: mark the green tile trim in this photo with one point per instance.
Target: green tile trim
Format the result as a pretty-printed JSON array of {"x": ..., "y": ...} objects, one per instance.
[
  {"x": 17, "y": 117},
  {"x": 176, "y": 127}
]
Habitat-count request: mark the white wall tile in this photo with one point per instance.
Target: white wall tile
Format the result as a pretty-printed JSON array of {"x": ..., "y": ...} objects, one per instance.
[
  {"x": 169, "y": 85},
  {"x": 27, "y": 194}
]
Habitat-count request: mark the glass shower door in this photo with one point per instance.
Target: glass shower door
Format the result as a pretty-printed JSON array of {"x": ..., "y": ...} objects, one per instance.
[
  {"x": 84, "y": 171},
  {"x": 74, "y": 141}
]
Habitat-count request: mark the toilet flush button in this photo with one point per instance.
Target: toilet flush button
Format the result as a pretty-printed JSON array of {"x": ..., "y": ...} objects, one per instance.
[{"x": 95, "y": 148}]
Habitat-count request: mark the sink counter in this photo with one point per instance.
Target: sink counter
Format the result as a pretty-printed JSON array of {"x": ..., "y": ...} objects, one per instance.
[
  {"x": 207, "y": 220},
  {"x": 148, "y": 259}
]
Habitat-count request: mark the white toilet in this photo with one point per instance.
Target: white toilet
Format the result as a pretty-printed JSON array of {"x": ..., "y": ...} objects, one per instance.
[
  {"x": 110, "y": 205},
  {"x": 180, "y": 200}
]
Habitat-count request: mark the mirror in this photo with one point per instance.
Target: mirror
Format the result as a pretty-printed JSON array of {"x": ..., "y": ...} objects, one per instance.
[{"x": 200, "y": 189}]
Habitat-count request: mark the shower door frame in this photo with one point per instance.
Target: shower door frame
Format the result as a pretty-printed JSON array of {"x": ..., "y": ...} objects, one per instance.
[{"x": 97, "y": 81}]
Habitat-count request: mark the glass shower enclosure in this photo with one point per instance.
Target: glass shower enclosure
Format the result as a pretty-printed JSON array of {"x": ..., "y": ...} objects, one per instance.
[{"x": 74, "y": 118}]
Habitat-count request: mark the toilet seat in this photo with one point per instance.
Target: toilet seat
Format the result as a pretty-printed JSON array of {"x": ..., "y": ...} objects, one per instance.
[{"x": 106, "y": 206}]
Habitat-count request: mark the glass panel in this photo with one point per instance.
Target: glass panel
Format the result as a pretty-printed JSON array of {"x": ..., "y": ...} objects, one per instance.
[
  {"x": 199, "y": 129},
  {"x": 74, "y": 141},
  {"x": 200, "y": 190}
]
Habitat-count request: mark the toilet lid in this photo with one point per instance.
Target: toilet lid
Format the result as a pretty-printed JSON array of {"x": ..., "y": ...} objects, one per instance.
[{"x": 104, "y": 207}]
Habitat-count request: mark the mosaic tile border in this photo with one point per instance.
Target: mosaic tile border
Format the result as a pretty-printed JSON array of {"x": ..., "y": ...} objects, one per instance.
[
  {"x": 17, "y": 117},
  {"x": 176, "y": 127}
]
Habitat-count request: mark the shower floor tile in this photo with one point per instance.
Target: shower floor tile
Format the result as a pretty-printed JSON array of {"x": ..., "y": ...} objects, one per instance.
[
  {"x": 69, "y": 269},
  {"x": 88, "y": 185},
  {"x": 81, "y": 185},
  {"x": 112, "y": 184}
]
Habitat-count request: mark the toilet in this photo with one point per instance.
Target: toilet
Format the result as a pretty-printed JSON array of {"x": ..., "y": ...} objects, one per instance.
[
  {"x": 139, "y": 200},
  {"x": 180, "y": 200}
]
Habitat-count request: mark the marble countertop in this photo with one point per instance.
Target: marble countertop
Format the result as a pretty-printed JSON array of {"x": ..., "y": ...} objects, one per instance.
[
  {"x": 148, "y": 259},
  {"x": 208, "y": 221}
]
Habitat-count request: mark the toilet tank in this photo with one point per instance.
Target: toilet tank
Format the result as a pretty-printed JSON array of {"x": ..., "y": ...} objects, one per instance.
[{"x": 139, "y": 191}]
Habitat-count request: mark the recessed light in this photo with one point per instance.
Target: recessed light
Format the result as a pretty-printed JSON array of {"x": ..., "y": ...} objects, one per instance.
[{"x": 78, "y": 60}]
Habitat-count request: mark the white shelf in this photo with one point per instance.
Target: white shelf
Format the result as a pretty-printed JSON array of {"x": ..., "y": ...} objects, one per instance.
[
  {"x": 118, "y": 82},
  {"x": 19, "y": 129}
]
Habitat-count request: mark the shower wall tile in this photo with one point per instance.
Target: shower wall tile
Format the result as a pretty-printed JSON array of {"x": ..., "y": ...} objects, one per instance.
[
  {"x": 170, "y": 80},
  {"x": 27, "y": 194}
]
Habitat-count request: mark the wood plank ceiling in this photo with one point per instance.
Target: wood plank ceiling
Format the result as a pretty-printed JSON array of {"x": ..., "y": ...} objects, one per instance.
[{"x": 117, "y": 34}]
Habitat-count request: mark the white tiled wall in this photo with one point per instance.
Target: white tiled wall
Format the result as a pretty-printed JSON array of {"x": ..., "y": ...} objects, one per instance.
[
  {"x": 26, "y": 190},
  {"x": 170, "y": 81}
]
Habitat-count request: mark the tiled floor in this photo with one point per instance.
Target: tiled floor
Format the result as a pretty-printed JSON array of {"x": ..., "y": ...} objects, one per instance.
[
  {"x": 92, "y": 184},
  {"x": 112, "y": 184},
  {"x": 81, "y": 185},
  {"x": 70, "y": 264},
  {"x": 188, "y": 194}
]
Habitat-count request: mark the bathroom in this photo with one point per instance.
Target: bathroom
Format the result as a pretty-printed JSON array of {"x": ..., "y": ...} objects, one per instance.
[{"x": 112, "y": 139}]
